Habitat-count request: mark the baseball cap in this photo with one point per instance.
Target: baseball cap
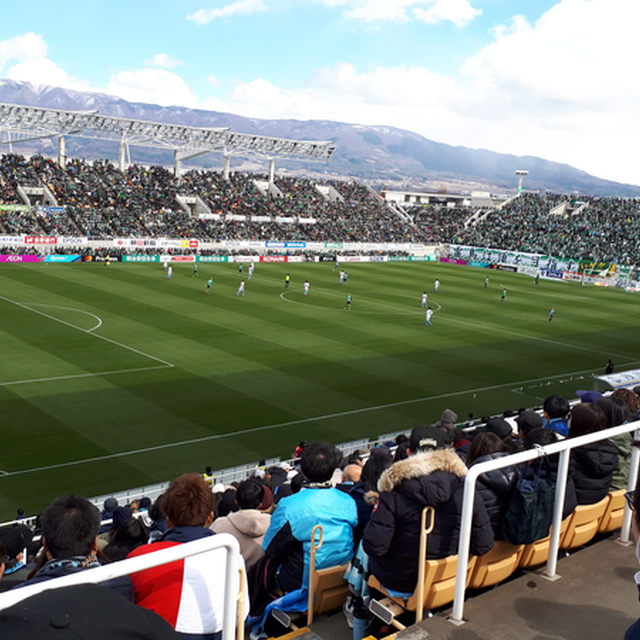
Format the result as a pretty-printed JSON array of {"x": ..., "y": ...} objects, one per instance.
[
  {"x": 426, "y": 437},
  {"x": 528, "y": 420},
  {"x": 499, "y": 426},
  {"x": 588, "y": 396}
]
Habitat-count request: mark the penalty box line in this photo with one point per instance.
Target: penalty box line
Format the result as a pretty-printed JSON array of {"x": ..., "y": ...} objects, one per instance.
[
  {"x": 277, "y": 425},
  {"x": 163, "y": 364}
]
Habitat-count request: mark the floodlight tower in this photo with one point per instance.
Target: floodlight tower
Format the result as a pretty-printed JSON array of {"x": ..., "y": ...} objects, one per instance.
[{"x": 521, "y": 173}]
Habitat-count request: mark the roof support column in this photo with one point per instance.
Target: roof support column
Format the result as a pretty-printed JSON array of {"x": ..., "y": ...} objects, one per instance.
[
  {"x": 62, "y": 152},
  {"x": 122, "y": 153},
  {"x": 227, "y": 166},
  {"x": 272, "y": 170}
]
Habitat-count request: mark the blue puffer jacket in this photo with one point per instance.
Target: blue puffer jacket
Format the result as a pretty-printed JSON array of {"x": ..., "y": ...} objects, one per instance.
[{"x": 287, "y": 540}]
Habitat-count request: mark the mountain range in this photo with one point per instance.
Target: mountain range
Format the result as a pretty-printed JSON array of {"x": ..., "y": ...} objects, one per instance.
[{"x": 381, "y": 156}]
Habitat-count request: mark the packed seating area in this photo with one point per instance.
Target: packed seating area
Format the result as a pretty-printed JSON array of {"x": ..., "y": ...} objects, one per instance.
[
  {"x": 368, "y": 506},
  {"x": 102, "y": 202},
  {"x": 603, "y": 229}
]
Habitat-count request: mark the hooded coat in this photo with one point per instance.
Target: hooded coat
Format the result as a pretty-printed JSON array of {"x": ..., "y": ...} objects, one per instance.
[
  {"x": 248, "y": 526},
  {"x": 496, "y": 488},
  {"x": 594, "y": 467},
  {"x": 392, "y": 537}
]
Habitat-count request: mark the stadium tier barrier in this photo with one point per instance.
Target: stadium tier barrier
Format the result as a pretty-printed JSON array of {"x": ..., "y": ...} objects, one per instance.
[
  {"x": 564, "y": 448},
  {"x": 235, "y": 593},
  {"x": 225, "y": 476}
]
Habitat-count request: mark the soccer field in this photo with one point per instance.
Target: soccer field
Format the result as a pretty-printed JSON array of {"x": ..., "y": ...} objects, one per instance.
[{"x": 114, "y": 377}]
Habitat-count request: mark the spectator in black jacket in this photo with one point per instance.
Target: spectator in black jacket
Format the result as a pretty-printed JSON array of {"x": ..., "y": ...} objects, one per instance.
[
  {"x": 432, "y": 476},
  {"x": 496, "y": 487},
  {"x": 595, "y": 462}
]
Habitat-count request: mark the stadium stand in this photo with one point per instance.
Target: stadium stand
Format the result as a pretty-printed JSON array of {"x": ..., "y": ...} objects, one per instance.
[{"x": 101, "y": 202}]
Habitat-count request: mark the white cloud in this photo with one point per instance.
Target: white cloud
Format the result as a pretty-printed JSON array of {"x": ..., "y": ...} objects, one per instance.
[
  {"x": 155, "y": 86},
  {"x": 25, "y": 60},
  {"x": 164, "y": 60},
  {"x": 562, "y": 88},
  {"x": 241, "y": 7},
  {"x": 459, "y": 12},
  {"x": 21, "y": 48},
  {"x": 406, "y": 97}
]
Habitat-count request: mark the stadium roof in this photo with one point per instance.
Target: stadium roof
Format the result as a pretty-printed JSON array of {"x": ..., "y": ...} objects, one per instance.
[{"x": 22, "y": 123}]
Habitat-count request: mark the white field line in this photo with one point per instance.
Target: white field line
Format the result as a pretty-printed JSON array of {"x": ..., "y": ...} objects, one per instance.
[
  {"x": 278, "y": 425},
  {"x": 163, "y": 363},
  {"x": 98, "y": 374},
  {"x": 88, "y": 313}
]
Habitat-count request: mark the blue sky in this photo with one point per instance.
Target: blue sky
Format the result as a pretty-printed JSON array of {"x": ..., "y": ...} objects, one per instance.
[{"x": 551, "y": 78}]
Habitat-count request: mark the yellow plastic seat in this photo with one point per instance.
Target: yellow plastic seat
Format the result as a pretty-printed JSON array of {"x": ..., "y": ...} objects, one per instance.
[
  {"x": 496, "y": 565},
  {"x": 614, "y": 512},
  {"x": 538, "y": 552},
  {"x": 583, "y": 524}
]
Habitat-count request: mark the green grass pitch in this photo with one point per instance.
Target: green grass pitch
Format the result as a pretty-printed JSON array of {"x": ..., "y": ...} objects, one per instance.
[{"x": 115, "y": 377}]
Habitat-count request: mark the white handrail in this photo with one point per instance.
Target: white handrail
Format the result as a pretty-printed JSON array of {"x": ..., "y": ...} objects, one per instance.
[
  {"x": 163, "y": 556},
  {"x": 563, "y": 447}
]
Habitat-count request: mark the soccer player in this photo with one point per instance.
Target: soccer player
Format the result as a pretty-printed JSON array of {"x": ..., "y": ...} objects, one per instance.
[
  {"x": 251, "y": 268},
  {"x": 538, "y": 278},
  {"x": 169, "y": 272},
  {"x": 195, "y": 270},
  {"x": 436, "y": 285},
  {"x": 209, "y": 285},
  {"x": 287, "y": 280},
  {"x": 240, "y": 291},
  {"x": 241, "y": 268},
  {"x": 347, "y": 304},
  {"x": 428, "y": 315},
  {"x": 504, "y": 295},
  {"x": 486, "y": 282},
  {"x": 342, "y": 275},
  {"x": 346, "y": 277},
  {"x": 424, "y": 299},
  {"x": 552, "y": 312},
  {"x": 305, "y": 286}
]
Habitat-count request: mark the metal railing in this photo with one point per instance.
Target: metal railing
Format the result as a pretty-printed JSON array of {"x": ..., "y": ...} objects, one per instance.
[
  {"x": 235, "y": 592},
  {"x": 563, "y": 447}
]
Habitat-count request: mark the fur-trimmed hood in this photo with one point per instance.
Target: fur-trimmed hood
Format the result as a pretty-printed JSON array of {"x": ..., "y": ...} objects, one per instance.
[{"x": 419, "y": 465}]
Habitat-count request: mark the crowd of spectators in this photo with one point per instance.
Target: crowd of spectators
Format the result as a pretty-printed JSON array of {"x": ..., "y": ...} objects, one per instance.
[
  {"x": 368, "y": 503},
  {"x": 101, "y": 202},
  {"x": 596, "y": 228}
]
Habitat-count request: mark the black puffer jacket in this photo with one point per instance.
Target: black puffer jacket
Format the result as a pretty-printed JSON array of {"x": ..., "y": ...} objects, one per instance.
[
  {"x": 594, "y": 467},
  {"x": 496, "y": 488},
  {"x": 392, "y": 536}
]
